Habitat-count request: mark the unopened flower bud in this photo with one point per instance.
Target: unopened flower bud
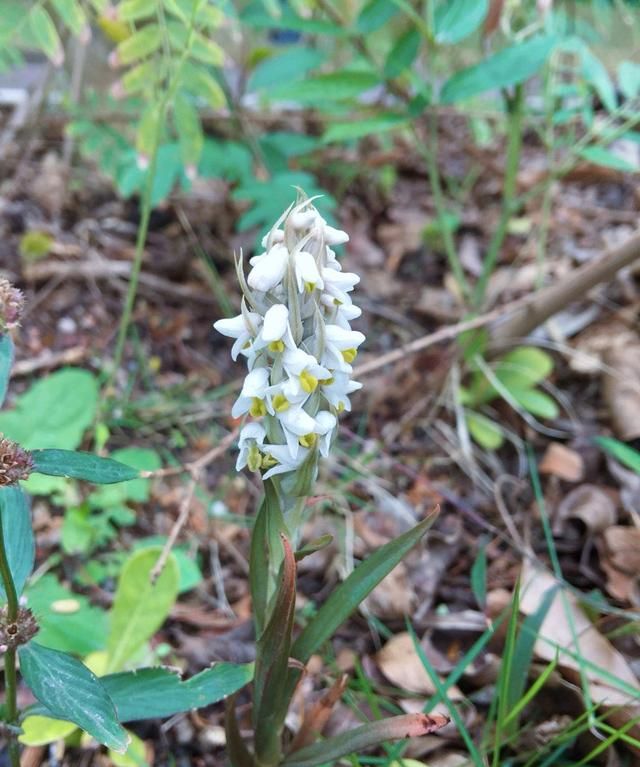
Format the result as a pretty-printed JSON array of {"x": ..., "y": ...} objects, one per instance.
[
  {"x": 16, "y": 463},
  {"x": 11, "y": 306}
]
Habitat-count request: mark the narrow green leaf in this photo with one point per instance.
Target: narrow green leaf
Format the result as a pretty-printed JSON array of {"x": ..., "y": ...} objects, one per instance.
[
  {"x": 479, "y": 575},
  {"x": 355, "y": 130},
  {"x": 352, "y": 591},
  {"x": 156, "y": 693},
  {"x": 71, "y": 14},
  {"x": 270, "y": 700},
  {"x": 334, "y": 86},
  {"x": 510, "y": 66},
  {"x": 140, "y": 607},
  {"x": 266, "y": 553},
  {"x": 599, "y": 155},
  {"x": 372, "y": 734},
  {"x": 403, "y": 53},
  {"x": 317, "y": 544},
  {"x": 238, "y": 753},
  {"x": 621, "y": 452},
  {"x": 457, "y": 19},
  {"x": 375, "y": 14},
  {"x": 79, "y": 465},
  {"x": 629, "y": 79},
  {"x": 70, "y": 691},
  {"x": 595, "y": 73},
  {"x": 45, "y": 34},
  {"x": 18, "y": 536},
  {"x": 6, "y": 362},
  {"x": 198, "y": 81}
]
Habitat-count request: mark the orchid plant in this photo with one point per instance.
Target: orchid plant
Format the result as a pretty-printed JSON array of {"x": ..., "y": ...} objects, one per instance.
[{"x": 295, "y": 335}]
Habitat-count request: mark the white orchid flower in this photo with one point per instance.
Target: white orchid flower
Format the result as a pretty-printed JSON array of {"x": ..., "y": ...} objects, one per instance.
[
  {"x": 341, "y": 347},
  {"x": 276, "y": 332},
  {"x": 337, "y": 390},
  {"x": 244, "y": 328},
  {"x": 307, "y": 272},
  {"x": 304, "y": 371},
  {"x": 269, "y": 268},
  {"x": 251, "y": 437},
  {"x": 337, "y": 286},
  {"x": 302, "y": 303},
  {"x": 278, "y": 460},
  {"x": 254, "y": 397}
]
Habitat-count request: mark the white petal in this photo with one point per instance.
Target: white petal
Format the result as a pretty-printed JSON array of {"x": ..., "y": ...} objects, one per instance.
[
  {"x": 231, "y": 327},
  {"x": 342, "y": 338},
  {"x": 256, "y": 383},
  {"x": 296, "y": 360},
  {"x": 307, "y": 270},
  {"x": 276, "y": 235},
  {"x": 325, "y": 422},
  {"x": 303, "y": 219},
  {"x": 334, "y": 236},
  {"x": 241, "y": 406},
  {"x": 254, "y": 431},
  {"x": 297, "y": 421},
  {"x": 275, "y": 323},
  {"x": 270, "y": 269}
]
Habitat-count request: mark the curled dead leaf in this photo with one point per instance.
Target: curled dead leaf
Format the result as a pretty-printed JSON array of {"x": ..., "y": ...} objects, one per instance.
[
  {"x": 590, "y": 505},
  {"x": 621, "y": 389}
]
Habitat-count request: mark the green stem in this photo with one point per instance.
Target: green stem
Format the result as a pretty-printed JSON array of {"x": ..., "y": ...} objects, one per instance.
[
  {"x": 10, "y": 675},
  {"x": 509, "y": 192},
  {"x": 429, "y": 153}
]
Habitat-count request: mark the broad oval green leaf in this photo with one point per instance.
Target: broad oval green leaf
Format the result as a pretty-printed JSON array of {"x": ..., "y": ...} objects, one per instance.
[
  {"x": 510, "y": 66},
  {"x": 486, "y": 433},
  {"x": 375, "y": 14},
  {"x": 54, "y": 412},
  {"x": 155, "y": 693},
  {"x": 6, "y": 361},
  {"x": 80, "y": 465},
  {"x": 523, "y": 367},
  {"x": 18, "y": 536},
  {"x": 41, "y": 730},
  {"x": 536, "y": 402},
  {"x": 139, "y": 606},
  {"x": 70, "y": 691},
  {"x": 457, "y": 19}
]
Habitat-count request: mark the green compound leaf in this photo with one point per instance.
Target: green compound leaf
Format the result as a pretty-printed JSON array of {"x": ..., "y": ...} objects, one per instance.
[
  {"x": 139, "y": 606},
  {"x": 510, "y": 66},
  {"x": 70, "y": 691},
  {"x": 79, "y": 465},
  {"x": 154, "y": 693},
  {"x": 6, "y": 361},
  {"x": 18, "y": 536}
]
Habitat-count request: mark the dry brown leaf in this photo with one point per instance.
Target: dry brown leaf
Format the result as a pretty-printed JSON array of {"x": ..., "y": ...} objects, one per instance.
[
  {"x": 562, "y": 462},
  {"x": 589, "y": 504},
  {"x": 558, "y": 636},
  {"x": 402, "y": 666},
  {"x": 622, "y": 545},
  {"x": 622, "y": 390}
]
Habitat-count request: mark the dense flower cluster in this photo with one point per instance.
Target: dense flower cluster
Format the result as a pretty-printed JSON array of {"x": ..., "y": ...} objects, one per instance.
[
  {"x": 295, "y": 334},
  {"x": 11, "y": 306}
]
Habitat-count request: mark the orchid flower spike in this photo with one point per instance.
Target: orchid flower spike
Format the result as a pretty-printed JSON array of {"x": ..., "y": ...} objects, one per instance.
[{"x": 298, "y": 344}]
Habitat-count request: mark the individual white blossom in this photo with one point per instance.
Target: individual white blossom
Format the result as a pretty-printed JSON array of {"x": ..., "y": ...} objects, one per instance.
[{"x": 295, "y": 333}]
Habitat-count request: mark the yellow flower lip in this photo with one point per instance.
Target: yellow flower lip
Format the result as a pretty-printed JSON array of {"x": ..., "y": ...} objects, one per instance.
[
  {"x": 276, "y": 346},
  {"x": 308, "y": 382},
  {"x": 258, "y": 408},
  {"x": 280, "y": 403},
  {"x": 308, "y": 440},
  {"x": 349, "y": 355},
  {"x": 255, "y": 458}
]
